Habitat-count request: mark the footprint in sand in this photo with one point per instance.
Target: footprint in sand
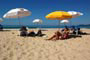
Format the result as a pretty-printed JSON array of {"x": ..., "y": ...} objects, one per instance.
[{"x": 5, "y": 58}]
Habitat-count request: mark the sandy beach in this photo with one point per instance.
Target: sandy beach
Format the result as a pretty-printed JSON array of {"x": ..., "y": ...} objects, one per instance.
[{"x": 14, "y": 47}]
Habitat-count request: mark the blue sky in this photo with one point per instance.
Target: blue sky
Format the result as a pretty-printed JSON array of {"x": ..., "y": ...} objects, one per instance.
[{"x": 40, "y": 8}]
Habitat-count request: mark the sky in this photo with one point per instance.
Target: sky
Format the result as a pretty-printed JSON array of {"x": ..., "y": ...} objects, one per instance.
[{"x": 40, "y": 8}]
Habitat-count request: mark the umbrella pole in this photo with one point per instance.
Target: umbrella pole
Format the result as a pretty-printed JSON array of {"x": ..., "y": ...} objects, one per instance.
[
  {"x": 58, "y": 24},
  {"x": 70, "y": 23},
  {"x": 64, "y": 24},
  {"x": 19, "y": 21},
  {"x": 40, "y": 26},
  {"x": 37, "y": 26}
]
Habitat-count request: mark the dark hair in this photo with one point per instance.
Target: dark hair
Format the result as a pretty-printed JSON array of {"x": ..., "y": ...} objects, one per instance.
[
  {"x": 23, "y": 28},
  {"x": 66, "y": 27},
  {"x": 78, "y": 28}
]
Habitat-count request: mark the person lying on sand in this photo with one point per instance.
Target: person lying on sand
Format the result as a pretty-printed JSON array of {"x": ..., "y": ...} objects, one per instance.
[
  {"x": 56, "y": 36},
  {"x": 32, "y": 33},
  {"x": 79, "y": 32},
  {"x": 39, "y": 33}
]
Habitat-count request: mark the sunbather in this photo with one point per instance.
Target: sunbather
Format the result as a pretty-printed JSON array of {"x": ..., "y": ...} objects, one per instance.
[
  {"x": 32, "y": 33},
  {"x": 65, "y": 33},
  {"x": 56, "y": 36},
  {"x": 64, "y": 28},
  {"x": 80, "y": 32},
  {"x": 39, "y": 33},
  {"x": 23, "y": 28},
  {"x": 23, "y": 31}
]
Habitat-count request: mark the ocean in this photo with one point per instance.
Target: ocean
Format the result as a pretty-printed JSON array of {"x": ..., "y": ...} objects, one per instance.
[{"x": 42, "y": 26}]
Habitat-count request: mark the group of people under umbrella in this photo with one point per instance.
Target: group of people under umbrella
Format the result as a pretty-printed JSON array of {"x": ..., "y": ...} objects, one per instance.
[
  {"x": 64, "y": 33},
  {"x": 31, "y": 32}
]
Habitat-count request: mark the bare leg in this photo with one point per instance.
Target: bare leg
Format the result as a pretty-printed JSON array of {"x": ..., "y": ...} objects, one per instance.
[{"x": 52, "y": 37}]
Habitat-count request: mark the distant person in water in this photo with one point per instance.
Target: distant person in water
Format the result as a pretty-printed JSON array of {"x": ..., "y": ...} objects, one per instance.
[{"x": 23, "y": 31}]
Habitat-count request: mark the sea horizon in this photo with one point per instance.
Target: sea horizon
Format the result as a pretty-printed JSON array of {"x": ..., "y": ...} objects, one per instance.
[{"x": 43, "y": 26}]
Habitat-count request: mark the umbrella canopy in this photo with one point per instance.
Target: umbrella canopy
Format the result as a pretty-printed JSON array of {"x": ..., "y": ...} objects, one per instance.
[
  {"x": 17, "y": 13},
  {"x": 75, "y": 14},
  {"x": 1, "y": 20},
  {"x": 59, "y": 15},
  {"x": 38, "y": 21},
  {"x": 64, "y": 21}
]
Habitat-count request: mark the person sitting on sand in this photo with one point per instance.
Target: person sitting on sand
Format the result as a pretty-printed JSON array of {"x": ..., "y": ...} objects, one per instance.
[
  {"x": 73, "y": 30},
  {"x": 65, "y": 33},
  {"x": 64, "y": 28},
  {"x": 23, "y": 28},
  {"x": 56, "y": 36},
  {"x": 31, "y": 33},
  {"x": 80, "y": 32},
  {"x": 23, "y": 31}
]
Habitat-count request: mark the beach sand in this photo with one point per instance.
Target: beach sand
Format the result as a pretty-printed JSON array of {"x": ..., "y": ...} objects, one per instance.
[{"x": 14, "y": 47}]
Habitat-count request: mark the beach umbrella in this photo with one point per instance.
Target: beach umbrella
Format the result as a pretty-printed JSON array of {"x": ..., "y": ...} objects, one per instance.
[
  {"x": 64, "y": 22},
  {"x": 58, "y": 15},
  {"x": 75, "y": 14},
  {"x": 17, "y": 13},
  {"x": 1, "y": 20},
  {"x": 37, "y": 21}
]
